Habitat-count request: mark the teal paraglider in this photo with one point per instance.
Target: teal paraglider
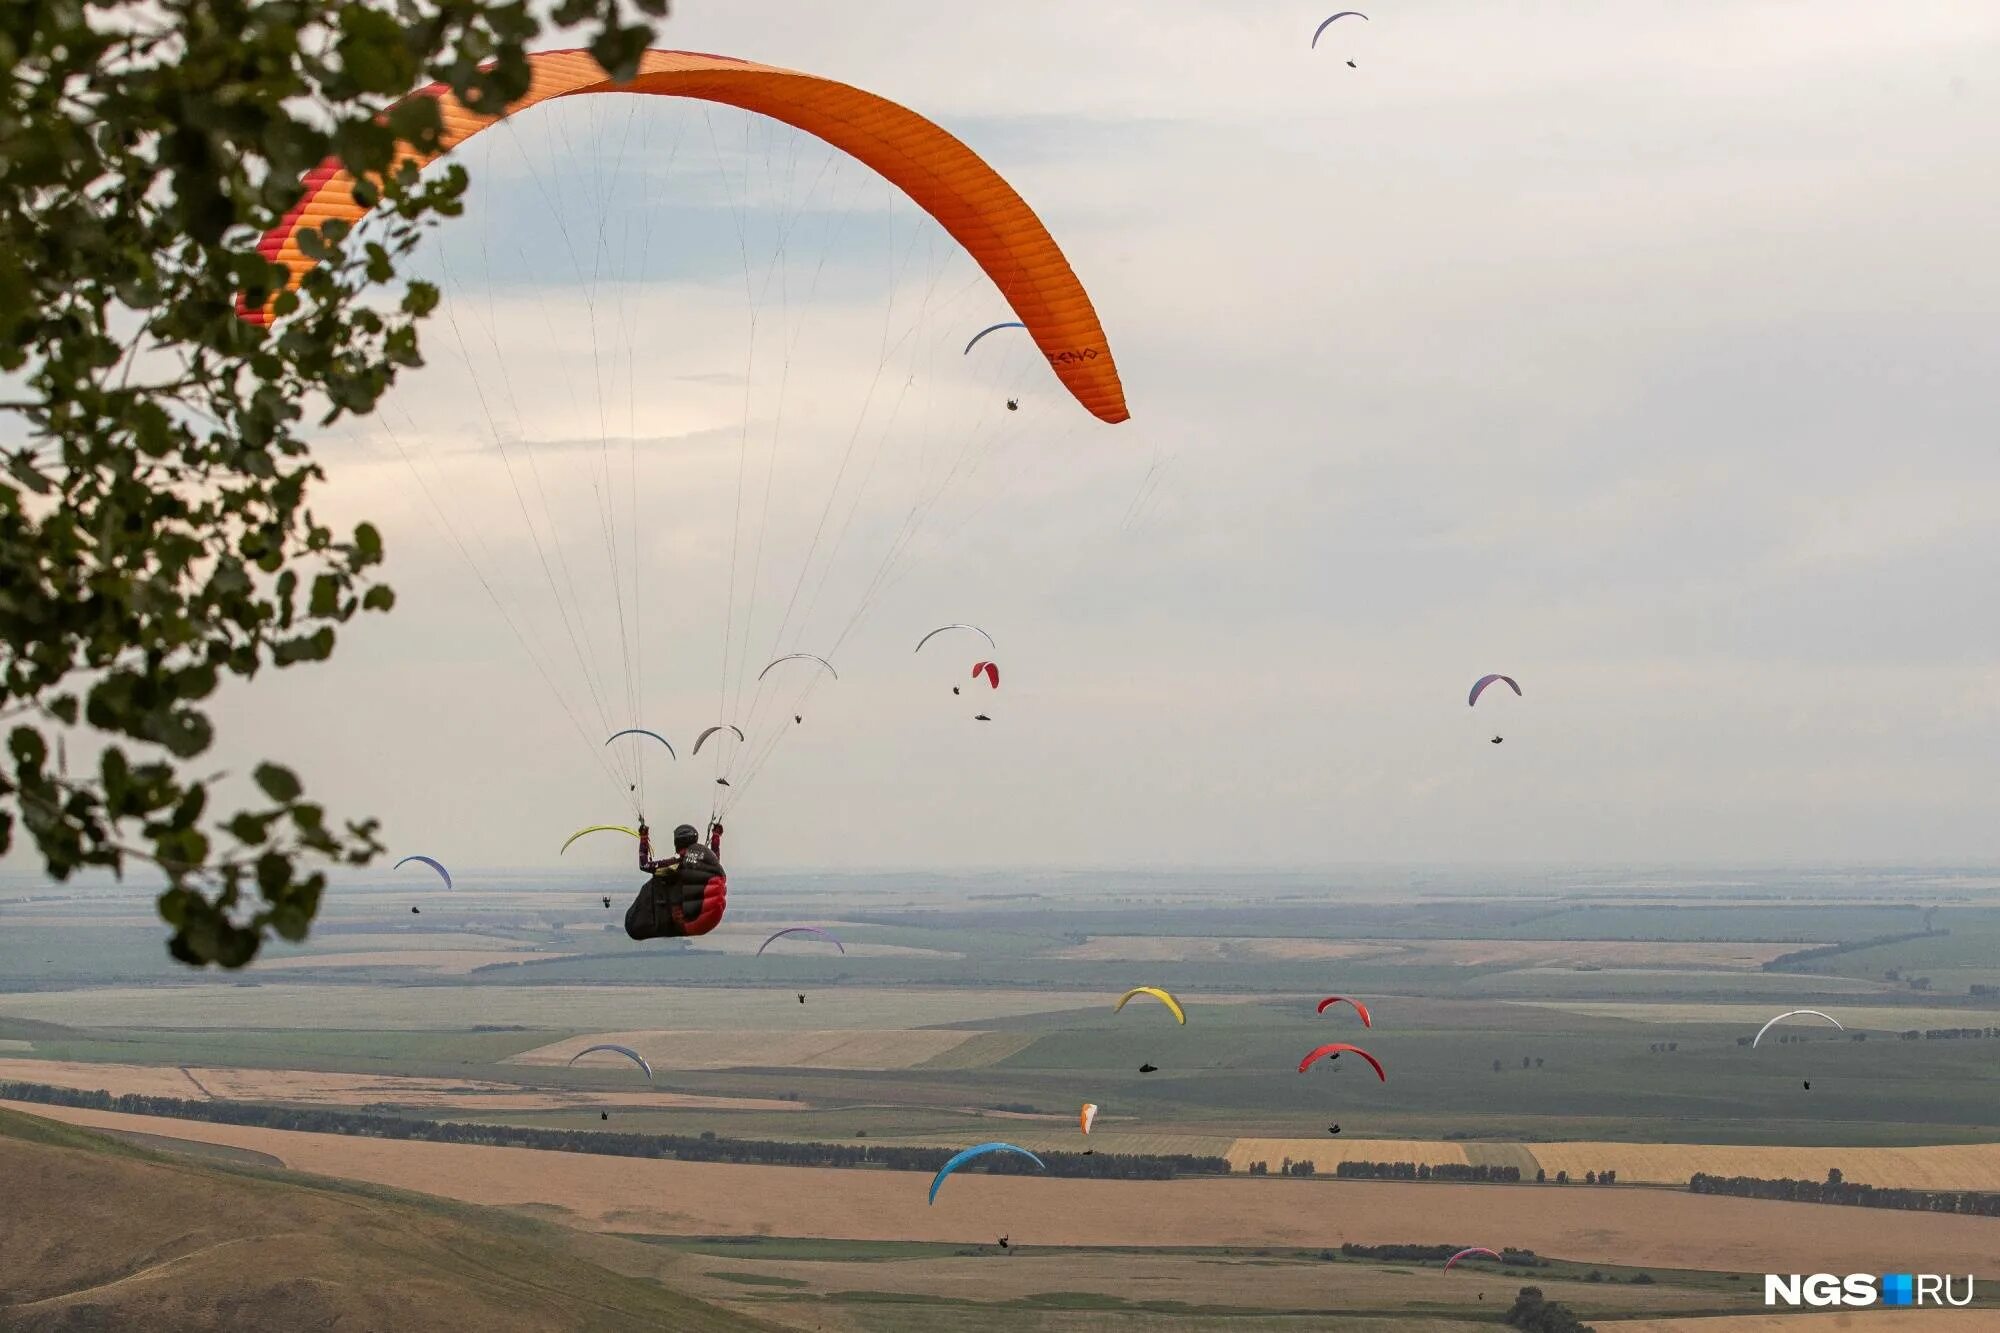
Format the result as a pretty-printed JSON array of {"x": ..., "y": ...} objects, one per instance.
[{"x": 979, "y": 1150}]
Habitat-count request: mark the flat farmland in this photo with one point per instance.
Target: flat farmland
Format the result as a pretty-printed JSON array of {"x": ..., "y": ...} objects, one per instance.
[
  {"x": 1871, "y": 1018},
  {"x": 836, "y": 1048},
  {"x": 1209, "y": 949},
  {"x": 312, "y": 1088},
  {"x": 1325, "y": 1151},
  {"x": 445, "y": 962},
  {"x": 1952, "y": 1166},
  {"x": 1704, "y": 955},
  {"x": 1242, "y": 1283},
  {"x": 1632, "y": 1228},
  {"x": 586, "y": 1007},
  {"x": 1957, "y": 1166}
]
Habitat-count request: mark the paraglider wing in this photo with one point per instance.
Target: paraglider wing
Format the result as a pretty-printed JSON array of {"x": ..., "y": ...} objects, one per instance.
[
  {"x": 942, "y": 628},
  {"x": 803, "y": 930},
  {"x": 1088, "y": 1116},
  {"x": 1792, "y": 1013},
  {"x": 1180, "y": 1014},
  {"x": 1334, "y": 1048},
  {"x": 641, "y": 731},
  {"x": 725, "y": 726},
  {"x": 991, "y": 328},
  {"x": 798, "y": 657},
  {"x": 1479, "y": 687},
  {"x": 990, "y": 670},
  {"x": 599, "y": 828},
  {"x": 1477, "y": 1249},
  {"x": 978, "y": 1150},
  {"x": 443, "y": 874},
  {"x": 625, "y": 1051},
  {"x": 1359, "y": 1008},
  {"x": 1343, "y": 14},
  {"x": 969, "y": 200}
]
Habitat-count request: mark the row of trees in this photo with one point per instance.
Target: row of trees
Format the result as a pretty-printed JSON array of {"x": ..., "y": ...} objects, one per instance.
[
  {"x": 1438, "y": 1253},
  {"x": 681, "y": 1147},
  {"x": 1799, "y": 960},
  {"x": 1426, "y": 1171},
  {"x": 1836, "y": 1189}
]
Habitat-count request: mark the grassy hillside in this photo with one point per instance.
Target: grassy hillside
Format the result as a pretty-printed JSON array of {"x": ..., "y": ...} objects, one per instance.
[{"x": 105, "y": 1235}]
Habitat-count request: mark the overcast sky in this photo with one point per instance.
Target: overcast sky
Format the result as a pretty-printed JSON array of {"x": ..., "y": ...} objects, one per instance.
[{"x": 1642, "y": 352}]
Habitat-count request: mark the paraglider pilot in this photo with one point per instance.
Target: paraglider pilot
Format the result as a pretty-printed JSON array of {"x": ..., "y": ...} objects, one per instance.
[{"x": 688, "y": 890}]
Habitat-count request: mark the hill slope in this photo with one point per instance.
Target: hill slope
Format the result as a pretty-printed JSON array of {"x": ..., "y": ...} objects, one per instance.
[{"x": 100, "y": 1234}]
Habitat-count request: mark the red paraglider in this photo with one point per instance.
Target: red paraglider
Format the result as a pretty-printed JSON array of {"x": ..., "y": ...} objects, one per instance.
[
  {"x": 1334, "y": 1047},
  {"x": 1359, "y": 1008},
  {"x": 990, "y": 670}
]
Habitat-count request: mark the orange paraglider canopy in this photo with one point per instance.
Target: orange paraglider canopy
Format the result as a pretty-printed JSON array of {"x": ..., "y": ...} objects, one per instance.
[{"x": 941, "y": 175}]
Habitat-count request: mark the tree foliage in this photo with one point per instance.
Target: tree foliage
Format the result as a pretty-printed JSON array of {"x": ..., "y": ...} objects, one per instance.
[{"x": 156, "y": 537}]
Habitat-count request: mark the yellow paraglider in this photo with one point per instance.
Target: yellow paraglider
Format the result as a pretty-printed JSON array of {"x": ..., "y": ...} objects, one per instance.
[
  {"x": 599, "y": 828},
  {"x": 941, "y": 175},
  {"x": 1180, "y": 1014}
]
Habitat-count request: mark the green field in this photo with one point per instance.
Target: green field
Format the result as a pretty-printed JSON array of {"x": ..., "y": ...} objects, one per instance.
[{"x": 1019, "y": 968}]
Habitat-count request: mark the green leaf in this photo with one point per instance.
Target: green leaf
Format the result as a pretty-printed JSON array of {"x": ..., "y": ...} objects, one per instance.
[{"x": 280, "y": 784}]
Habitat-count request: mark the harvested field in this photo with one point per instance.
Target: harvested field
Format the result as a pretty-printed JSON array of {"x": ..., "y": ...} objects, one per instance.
[
  {"x": 1732, "y": 956},
  {"x": 377, "y": 941},
  {"x": 1326, "y": 1150},
  {"x": 1750, "y": 1017},
  {"x": 1952, "y": 1166},
  {"x": 196, "y": 1083},
  {"x": 979, "y": 1050},
  {"x": 141, "y": 1080},
  {"x": 447, "y": 962},
  {"x": 836, "y": 1049},
  {"x": 1955, "y": 1166},
  {"x": 281, "y": 1004},
  {"x": 1210, "y": 949},
  {"x": 1646, "y": 1228}
]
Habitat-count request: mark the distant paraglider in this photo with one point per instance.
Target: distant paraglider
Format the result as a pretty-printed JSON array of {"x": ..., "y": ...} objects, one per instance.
[
  {"x": 598, "y": 828},
  {"x": 625, "y": 1051},
  {"x": 1088, "y": 1116},
  {"x": 1792, "y": 1013},
  {"x": 1173, "y": 1005},
  {"x": 1359, "y": 1008},
  {"x": 803, "y": 930},
  {"x": 721, "y": 726},
  {"x": 1476, "y": 1249},
  {"x": 800, "y": 657},
  {"x": 991, "y": 328},
  {"x": 641, "y": 731},
  {"x": 942, "y": 628},
  {"x": 978, "y": 1150},
  {"x": 1479, "y": 687},
  {"x": 990, "y": 670},
  {"x": 1328, "y": 23},
  {"x": 1334, "y": 1048},
  {"x": 443, "y": 874}
]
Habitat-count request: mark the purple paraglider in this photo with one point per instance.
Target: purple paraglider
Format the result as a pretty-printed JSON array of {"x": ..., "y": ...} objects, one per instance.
[{"x": 1480, "y": 685}]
